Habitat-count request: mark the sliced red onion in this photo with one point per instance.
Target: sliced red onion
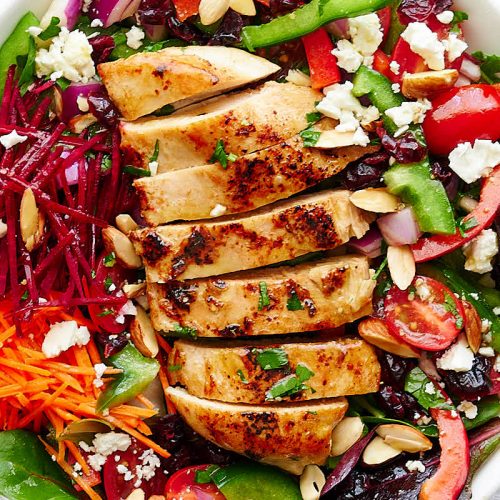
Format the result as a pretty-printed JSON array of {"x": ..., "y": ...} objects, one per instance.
[
  {"x": 452, "y": 187},
  {"x": 71, "y": 172},
  {"x": 113, "y": 11},
  {"x": 66, "y": 102},
  {"x": 470, "y": 70},
  {"x": 339, "y": 28},
  {"x": 399, "y": 228},
  {"x": 462, "y": 81},
  {"x": 155, "y": 32},
  {"x": 66, "y": 10},
  {"x": 370, "y": 244}
]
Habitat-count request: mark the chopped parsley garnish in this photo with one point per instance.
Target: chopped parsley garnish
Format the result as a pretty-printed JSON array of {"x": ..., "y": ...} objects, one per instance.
[
  {"x": 290, "y": 385},
  {"x": 166, "y": 110},
  {"x": 242, "y": 376},
  {"x": 293, "y": 303},
  {"x": 310, "y": 137},
  {"x": 203, "y": 476},
  {"x": 313, "y": 117},
  {"x": 106, "y": 312},
  {"x": 136, "y": 171},
  {"x": 264, "y": 300},
  {"x": 271, "y": 359},
  {"x": 63, "y": 83},
  {"x": 92, "y": 273},
  {"x": 51, "y": 30},
  {"x": 185, "y": 331},
  {"x": 490, "y": 67},
  {"x": 174, "y": 368},
  {"x": 380, "y": 269},
  {"x": 221, "y": 155},
  {"x": 464, "y": 225},
  {"x": 109, "y": 260},
  {"x": 108, "y": 282},
  {"x": 25, "y": 295},
  {"x": 106, "y": 163},
  {"x": 416, "y": 384},
  {"x": 458, "y": 17},
  {"x": 450, "y": 306},
  {"x": 156, "y": 152}
]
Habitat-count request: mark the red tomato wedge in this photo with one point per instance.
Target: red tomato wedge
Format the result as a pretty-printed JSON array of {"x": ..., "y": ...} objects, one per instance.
[
  {"x": 427, "y": 315},
  {"x": 463, "y": 114},
  {"x": 183, "y": 486},
  {"x": 186, "y": 8}
]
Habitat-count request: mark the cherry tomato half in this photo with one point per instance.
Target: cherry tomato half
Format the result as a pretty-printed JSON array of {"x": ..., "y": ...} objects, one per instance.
[
  {"x": 182, "y": 486},
  {"x": 463, "y": 114},
  {"x": 427, "y": 315}
]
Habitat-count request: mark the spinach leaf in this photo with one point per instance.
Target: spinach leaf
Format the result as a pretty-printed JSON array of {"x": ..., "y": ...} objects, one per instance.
[
  {"x": 490, "y": 66},
  {"x": 26, "y": 470},
  {"x": 420, "y": 386}
]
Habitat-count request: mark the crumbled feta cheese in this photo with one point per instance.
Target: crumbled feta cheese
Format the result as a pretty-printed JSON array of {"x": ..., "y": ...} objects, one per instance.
[
  {"x": 496, "y": 310},
  {"x": 86, "y": 5},
  {"x": 77, "y": 467},
  {"x": 340, "y": 104},
  {"x": 458, "y": 357},
  {"x": 468, "y": 409},
  {"x": 415, "y": 465},
  {"x": 34, "y": 31},
  {"x": 3, "y": 229},
  {"x": 103, "y": 445},
  {"x": 99, "y": 369},
  {"x": 394, "y": 67},
  {"x": 424, "y": 42},
  {"x": 218, "y": 210},
  {"x": 12, "y": 139},
  {"x": 473, "y": 162},
  {"x": 396, "y": 88},
  {"x": 134, "y": 37},
  {"x": 153, "y": 167},
  {"x": 422, "y": 291},
  {"x": 82, "y": 103},
  {"x": 445, "y": 17},
  {"x": 454, "y": 46},
  {"x": 348, "y": 57},
  {"x": 409, "y": 112},
  {"x": 68, "y": 56},
  {"x": 497, "y": 363},
  {"x": 96, "y": 23},
  {"x": 424, "y": 420},
  {"x": 120, "y": 468},
  {"x": 485, "y": 325},
  {"x": 480, "y": 252},
  {"x": 64, "y": 335},
  {"x": 360, "y": 138},
  {"x": 298, "y": 78},
  {"x": 487, "y": 352},
  {"x": 429, "y": 388}
]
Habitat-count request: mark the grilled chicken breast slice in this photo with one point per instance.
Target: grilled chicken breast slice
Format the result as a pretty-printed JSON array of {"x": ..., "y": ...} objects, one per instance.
[
  {"x": 311, "y": 296},
  {"x": 246, "y": 121},
  {"x": 271, "y": 234},
  {"x": 288, "y": 435},
  {"x": 145, "y": 82},
  {"x": 233, "y": 371},
  {"x": 248, "y": 183}
]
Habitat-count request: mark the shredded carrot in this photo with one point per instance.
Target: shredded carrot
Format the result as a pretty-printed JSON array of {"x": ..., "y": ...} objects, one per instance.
[
  {"x": 145, "y": 401},
  {"x": 73, "y": 449},
  {"x": 163, "y": 343}
]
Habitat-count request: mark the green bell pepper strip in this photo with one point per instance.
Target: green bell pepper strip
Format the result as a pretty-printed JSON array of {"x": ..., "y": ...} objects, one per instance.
[
  {"x": 412, "y": 182},
  {"x": 468, "y": 291},
  {"x": 137, "y": 373},
  {"x": 17, "y": 44},
  {"x": 305, "y": 20}
]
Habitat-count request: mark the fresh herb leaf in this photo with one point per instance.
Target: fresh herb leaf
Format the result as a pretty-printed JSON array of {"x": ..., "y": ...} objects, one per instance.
[
  {"x": 380, "y": 269},
  {"x": 458, "y": 17},
  {"x": 52, "y": 30},
  {"x": 185, "y": 331},
  {"x": 108, "y": 282},
  {"x": 28, "y": 68},
  {"x": 310, "y": 137},
  {"x": 136, "y": 171},
  {"x": 450, "y": 306},
  {"x": 109, "y": 260},
  {"x": 166, "y": 110},
  {"x": 92, "y": 273},
  {"x": 290, "y": 385},
  {"x": 490, "y": 66},
  {"x": 464, "y": 225},
  {"x": 203, "y": 476},
  {"x": 25, "y": 295},
  {"x": 313, "y": 117},
  {"x": 294, "y": 303},
  {"x": 174, "y": 368},
  {"x": 264, "y": 300},
  {"x": 221, "y": 155},
  {"x": 63, "y": 83},
  {"x": 242, "y": 376},
  {"x": 106, "y": 163},
  {"x": 106, "y": 312},
  {"x": 271, "y": 359},
  {"x": 416, "y": 384},
  {"x": 156, "y": 152}
]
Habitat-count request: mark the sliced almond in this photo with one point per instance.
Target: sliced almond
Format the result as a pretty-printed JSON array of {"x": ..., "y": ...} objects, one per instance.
[
  {"x": 378, "y": 452},
  {"x": 211, "y": 11},
  {"x": 133, "y": 290},
  {"x": 404, "y": 438},
  {"x": 31, "y": 221},
  {"x": 312, "y": 481},
  {"x": 125, "y": 223},
  {"x": 334, "y": 139},
  {"x": 298, "y": 77},
  {"x": 143, "y": 334},
  {"x": 346, "y": 434},
  {"x": 472, "y": 326},
  {"x": 375, "y": 331},
  {"x": 401, "y": 265},
  {"x": 243, "y": 7},
  {"x": 428, "y": 83},
  {"x": 377, "y": 200},
  {"x": 115, "y": 241},
  {"x": 137, "y": 494},
  {"x": 79, "y": 123}
]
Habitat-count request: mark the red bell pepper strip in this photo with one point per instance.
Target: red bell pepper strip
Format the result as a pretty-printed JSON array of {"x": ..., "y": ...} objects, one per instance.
[
  {"x": 322, "y": 63},
  {"x": 381, "y": 63},
  {"x": 384, "y": 16},
  {"x": 449, "y": 480},
  {"x": 408, "y": 61},
  {"x": 484, "y": 213}
]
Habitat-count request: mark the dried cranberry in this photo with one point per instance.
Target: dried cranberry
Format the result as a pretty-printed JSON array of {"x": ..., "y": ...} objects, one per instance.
[
  {"x": 405, "y": 149},
  {"x": 441, "y": 170},
  {"x": 420, "y": 10},
  {"x": 103, "y": 109},
  {"x": 112, "y": 344},
  {"x": 183, "y": 31},
  {"x": 398, "y": 404},
  {"x": 280, "y": 7},
  {"x": 471, "y": 384},
  {"x": 395, "y": 369},
  {"x": 229, "y": 30},
  {"x": 366, "y": 172},
  {"x": 153, "y": 11},
  {"x": 102, "y": 46}
]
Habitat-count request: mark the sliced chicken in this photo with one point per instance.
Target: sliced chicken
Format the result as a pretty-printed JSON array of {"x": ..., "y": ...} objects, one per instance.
[
  {"x": 234, "y": 372},
  {"x": 265, "y": 236},
  {"x": 245, "y": 121},
  {"x": 288, "y": 435},
  {"x": 145, "y": 82},
  {"x": 250, "y": 182},
  {"x": 307, "y": 297}
]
